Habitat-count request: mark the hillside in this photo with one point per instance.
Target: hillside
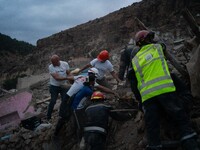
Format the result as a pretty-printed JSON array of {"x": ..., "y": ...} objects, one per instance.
[
  {"x": 13, "y": 54},
  {"x": 111, "y": 32},
  {"x": 9, "y": 45}
]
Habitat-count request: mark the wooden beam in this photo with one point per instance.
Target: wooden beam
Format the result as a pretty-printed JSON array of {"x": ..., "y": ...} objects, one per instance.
[
  {"x": 44, "y": 100},
  {"x": 141, "y": 24},
  {"x": 192, "y": 23}
]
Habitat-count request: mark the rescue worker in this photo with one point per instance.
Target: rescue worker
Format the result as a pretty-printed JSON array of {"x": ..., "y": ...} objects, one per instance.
[
  {"x": 103, "y": 65},
  {"x": 58, "y": 71},
  {"x": 125, "y": 67},
  {"x": 125, "y": 59},
  {"x": 80, "y": 100},
  {"x": 65, "y": 107},
  {"x": 157, "y": 91},
  {"x": 96, "y": 124}
]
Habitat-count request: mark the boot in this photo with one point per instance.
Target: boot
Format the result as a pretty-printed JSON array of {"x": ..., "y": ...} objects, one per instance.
[
  {"x": 59, "y": 126},
  {"x": 190, "y": 144}
]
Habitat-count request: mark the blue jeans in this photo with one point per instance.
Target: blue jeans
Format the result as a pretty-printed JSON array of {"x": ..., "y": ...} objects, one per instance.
[
  {"x": 85, "y": 91},
  {"x": 54, "y": 91}
]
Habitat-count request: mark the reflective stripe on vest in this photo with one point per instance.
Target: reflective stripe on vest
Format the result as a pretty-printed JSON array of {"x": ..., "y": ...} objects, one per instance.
[
  {"x": 95, "y": 128},
  {"x": 152, "y": 72}
]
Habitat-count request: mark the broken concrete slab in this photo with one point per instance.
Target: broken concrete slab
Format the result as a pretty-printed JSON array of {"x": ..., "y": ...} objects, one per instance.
[{"x": 12, "y": 108}]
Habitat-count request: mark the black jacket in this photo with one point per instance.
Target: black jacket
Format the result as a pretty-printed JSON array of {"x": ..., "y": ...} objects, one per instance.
[
  {"x": 125, "y": 60},
  {"x": 98, "y": 113}
]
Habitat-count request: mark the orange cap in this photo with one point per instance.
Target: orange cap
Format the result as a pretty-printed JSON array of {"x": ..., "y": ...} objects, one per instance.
[{"x": 103, "y": 55}]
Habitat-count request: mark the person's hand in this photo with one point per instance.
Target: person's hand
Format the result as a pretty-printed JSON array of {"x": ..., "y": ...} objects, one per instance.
[{"x": 76, "y": 71}]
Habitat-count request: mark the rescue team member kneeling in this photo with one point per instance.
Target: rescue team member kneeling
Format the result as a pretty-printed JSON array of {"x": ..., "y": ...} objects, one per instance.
[
  {"x": 157, "y": 91},
  {"x": 96, "y": 123}
]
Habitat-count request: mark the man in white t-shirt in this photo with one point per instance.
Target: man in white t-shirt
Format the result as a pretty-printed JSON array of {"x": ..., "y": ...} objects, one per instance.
[
  {"x": 58, "y": 71},
  {"x": 103, "y": 65}
]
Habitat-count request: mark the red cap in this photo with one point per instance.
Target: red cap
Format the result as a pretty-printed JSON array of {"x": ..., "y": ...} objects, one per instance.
[{"x": 103, "y": 55}]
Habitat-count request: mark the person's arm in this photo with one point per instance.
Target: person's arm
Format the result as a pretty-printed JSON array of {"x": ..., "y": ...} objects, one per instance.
[
  {"x": 107, "y": 90},
  {"x": 68, "y": 72},
  {"x": 122, "y": 66},
  {"x": 85, "y": 67},
  {"x": 57, "y": 77},
  {"x": 115, "y": 76},
  {"x": 122, "y": 69}
]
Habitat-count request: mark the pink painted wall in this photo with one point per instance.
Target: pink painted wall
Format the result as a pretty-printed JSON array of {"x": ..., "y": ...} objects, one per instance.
[{"x": 12, "y": 108}]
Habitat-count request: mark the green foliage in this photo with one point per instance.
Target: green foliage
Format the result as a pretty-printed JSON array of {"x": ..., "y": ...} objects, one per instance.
[{"x": 7, "y": 44}]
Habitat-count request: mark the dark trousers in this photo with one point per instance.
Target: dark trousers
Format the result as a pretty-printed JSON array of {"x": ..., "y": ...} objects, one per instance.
[
  {"x": 103, "y": 82},
  {"x": 65, "y": 107},
  {"x": 95, "y": 141},
  {"x": 64, "y": 113},
  {"x": 54, "y": 91},
  {"x": 170, "y": 104}
]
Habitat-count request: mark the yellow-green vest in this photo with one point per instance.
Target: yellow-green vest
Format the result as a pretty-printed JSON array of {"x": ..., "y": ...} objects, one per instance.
[{"x": 152, "y": 72}]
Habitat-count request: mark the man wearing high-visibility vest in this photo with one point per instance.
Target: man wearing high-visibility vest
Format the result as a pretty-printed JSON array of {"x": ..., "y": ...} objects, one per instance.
[{"x": 157, "y": 91}]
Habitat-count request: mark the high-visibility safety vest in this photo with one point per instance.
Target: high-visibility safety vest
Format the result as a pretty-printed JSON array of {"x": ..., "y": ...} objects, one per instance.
[{"x": 152, "y": 72}]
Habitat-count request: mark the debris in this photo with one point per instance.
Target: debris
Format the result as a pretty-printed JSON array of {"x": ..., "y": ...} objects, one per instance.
[
  {"x": 44, "y": 100},
  {"x": 179, "y": 41}
]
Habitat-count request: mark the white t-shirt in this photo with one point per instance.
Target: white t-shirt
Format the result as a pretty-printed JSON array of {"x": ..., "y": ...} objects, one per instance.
[
  {"x": 61, "y": 70},
  {"x": 78, "y": 84},
  {"x": 102, "y": 67}
]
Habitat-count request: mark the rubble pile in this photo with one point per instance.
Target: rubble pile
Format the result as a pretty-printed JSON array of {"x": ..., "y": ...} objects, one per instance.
[
  {"x": 122, "y": 135},
  {"x": 41, "y": 137}
]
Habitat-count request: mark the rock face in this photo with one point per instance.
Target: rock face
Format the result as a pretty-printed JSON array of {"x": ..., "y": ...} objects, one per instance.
[
  {"x": 114, "y": 30},
  {"x": 110, "y": 32}
]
